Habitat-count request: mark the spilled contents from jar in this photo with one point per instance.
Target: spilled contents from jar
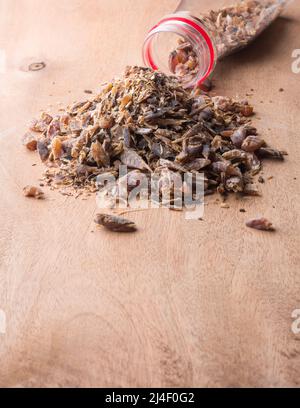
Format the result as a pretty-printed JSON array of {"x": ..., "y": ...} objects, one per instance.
[{"x": 148, "y": 122}]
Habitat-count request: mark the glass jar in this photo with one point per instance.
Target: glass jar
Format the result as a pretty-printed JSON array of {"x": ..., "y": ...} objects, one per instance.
[{"x": 189, "y": 44}]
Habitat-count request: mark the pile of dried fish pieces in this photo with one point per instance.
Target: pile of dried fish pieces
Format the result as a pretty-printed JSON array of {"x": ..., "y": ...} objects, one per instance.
[{"x": 147, "y": 121}]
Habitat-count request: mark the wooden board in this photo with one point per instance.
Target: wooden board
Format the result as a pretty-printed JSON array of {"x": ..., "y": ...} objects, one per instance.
[{"x": 179, "y": 303}]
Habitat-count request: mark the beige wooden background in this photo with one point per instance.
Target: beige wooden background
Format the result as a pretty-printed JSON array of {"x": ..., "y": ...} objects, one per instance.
[{"x": 180, "y": 303}]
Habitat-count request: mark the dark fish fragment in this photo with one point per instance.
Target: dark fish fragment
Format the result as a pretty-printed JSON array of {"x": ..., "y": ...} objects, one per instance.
[
  {"x": 42, "y": 149},
  {"x": 239, "y": 136},
  {"x": 152, "y": 116},
  {"x": 162, "y": 151},
  {"x": 261, "y": 179},
  {"x": 194, "y": 130},
  {"x": 197, "y": 164},
  {"x": 194, "y": 149},
  {"x": 133, "y": 160},
  {"x": 127, "y": 136},
  {"x": 268, "y": 153},
  {"x": 262, "y": 224},
  {"x": 252, "y": 143},
  {"x": 115, "y": 223},
  {"x": 85, "y": 170},
  {"x": 206, "y": 114}
]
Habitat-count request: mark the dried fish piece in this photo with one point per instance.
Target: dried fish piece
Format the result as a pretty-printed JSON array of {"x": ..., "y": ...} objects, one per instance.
[
  {"x": 42, "y": 123},
  {"x": 268, "y": 153},
  {"x": 206, "y": 114},
  {"x": 46, "y": 118},
  {"x": 125, "y": 101},
  {"x": 131, "y": 159},
  {"x": 33, "y": 192},
  {"x": 115, "y": 223},
  {"x": 30, "y": 141},
  {"x": 234, "y": 154},
  {"x": 239, "y": 136},
  {"x": 106, "y": 122},
  {"x": 262, "y": 224},
  {"x": 42, "y": 147},
  {"x": 126, "y": 136},
  {"x": 217, "y": 142},
  {"x": 99, "y": 154},
  {"x": 227, "y": 133},
  {"x": 197, "y": 164},
  {"x": 226, "y": 167},
  {"x": 56, "y": 148},
  {"x": 247, "y": 110},
  {"x": 252, "y": 143},
  {"x": 147, "y": 121}
]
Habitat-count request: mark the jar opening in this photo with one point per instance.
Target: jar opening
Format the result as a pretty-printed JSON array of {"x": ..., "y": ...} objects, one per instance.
[{"x": 181, "y": 46}]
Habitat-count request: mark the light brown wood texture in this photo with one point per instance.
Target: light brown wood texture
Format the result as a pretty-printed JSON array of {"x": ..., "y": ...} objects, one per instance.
[{"x": 179, "y": 303}]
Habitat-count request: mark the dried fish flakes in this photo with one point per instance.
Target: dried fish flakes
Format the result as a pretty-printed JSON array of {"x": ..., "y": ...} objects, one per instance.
[
  {"x": 232, "y": 28},
  {"x": 148, "y": 122}
]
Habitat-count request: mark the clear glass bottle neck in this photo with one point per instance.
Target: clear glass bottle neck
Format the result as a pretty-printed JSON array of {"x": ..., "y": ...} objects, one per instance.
[{"x": 189, "y": 32}]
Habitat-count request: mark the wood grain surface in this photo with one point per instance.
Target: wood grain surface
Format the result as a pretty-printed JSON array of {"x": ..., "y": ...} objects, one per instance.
[{"x": 179, "y": 303}]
